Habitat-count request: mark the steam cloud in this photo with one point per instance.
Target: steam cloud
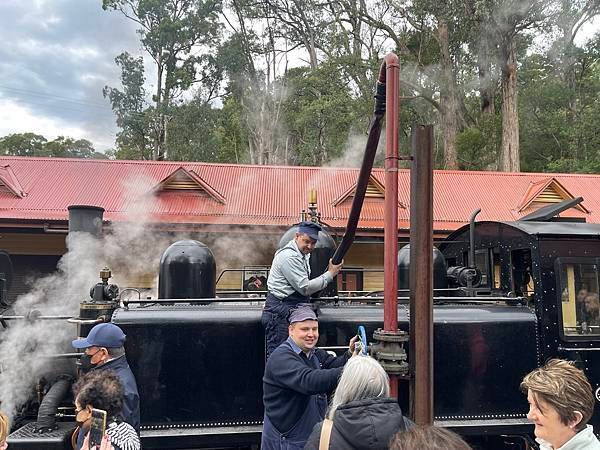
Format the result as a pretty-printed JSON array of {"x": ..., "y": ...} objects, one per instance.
[{"x": 131, "y": 249}]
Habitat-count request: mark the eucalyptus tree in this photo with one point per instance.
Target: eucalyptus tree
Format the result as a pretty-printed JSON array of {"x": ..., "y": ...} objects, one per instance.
[
  {"x": 134, "y": 115},
  {"x": 427, "y": 34},
  {"x": 572, "y": 16},
  {"x": 175, "y": 34},
  {"x": 508, "y": 21}
]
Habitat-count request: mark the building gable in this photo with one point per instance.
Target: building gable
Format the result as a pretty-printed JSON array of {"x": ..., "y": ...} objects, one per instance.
[
  {"x": 544, "y": 192},
  {"x": 188, "y": 181},
  {"x": 9, "y": 182},
  {"x": 375, "y": 190}
]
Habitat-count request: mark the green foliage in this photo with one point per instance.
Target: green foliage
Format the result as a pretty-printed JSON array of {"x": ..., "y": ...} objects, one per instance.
[
  {"x": 478, "y": 146},
  {"x": 134, "y": 116},
  {"x": 230, "y": 133},
  {"x": 22, "y": 144},
  {"x": 319, "y": 113},
  {"x": 31, "y": 144},
  {"x": 191, "y": 133},
  {"x": 556, "y": 137},
  {"x": 171, "y": 33},
  {"x": 239, "y": 105}
]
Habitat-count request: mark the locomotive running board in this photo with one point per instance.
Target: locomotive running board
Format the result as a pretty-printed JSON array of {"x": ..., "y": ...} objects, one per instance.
[
  {"x": 487, "y": 426},
  {"x": 200, "y": 437}
]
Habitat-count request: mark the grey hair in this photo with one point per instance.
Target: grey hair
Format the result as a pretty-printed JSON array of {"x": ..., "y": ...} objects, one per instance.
[
  {"x": 115, "y": 352},
  {"x": 363, "y": 377}
]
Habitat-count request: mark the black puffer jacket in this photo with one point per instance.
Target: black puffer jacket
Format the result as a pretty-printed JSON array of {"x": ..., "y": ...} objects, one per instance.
[{"x": 363, "y": 425}]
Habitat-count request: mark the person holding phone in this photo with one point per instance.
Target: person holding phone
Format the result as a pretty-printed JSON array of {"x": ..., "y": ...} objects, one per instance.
[{"x": 98, "y": 405}]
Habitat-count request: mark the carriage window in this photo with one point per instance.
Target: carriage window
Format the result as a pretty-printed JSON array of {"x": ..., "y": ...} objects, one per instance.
[
  {"x": 482, "y": 262},
  {"x": 579, "y": 298},
  {"x": 521, "y": 272},
  {"x": 496, "y": 264}
]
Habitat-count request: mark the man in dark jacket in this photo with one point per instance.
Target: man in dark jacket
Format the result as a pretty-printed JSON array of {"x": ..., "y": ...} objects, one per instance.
[
  {"x": 104, "y": 351},
  {"x": 298, "y": 377}
]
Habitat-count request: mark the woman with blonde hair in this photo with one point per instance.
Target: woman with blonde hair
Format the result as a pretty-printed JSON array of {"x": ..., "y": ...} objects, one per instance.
[
  {"x": 560, "y": 405},
  {"x": 362, "y": 416},
  {"x": 4, "y": 429}
]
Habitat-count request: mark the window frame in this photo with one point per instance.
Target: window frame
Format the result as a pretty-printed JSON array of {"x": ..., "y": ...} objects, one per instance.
[{"x": 559, "y": 263}]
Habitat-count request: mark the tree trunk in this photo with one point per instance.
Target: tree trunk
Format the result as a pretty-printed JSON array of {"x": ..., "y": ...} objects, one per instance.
[
  {"x": 509, "y": 151},
  {"x": 486, "y": 84},
  {"x": 157, "y": 128},
  {"x": 449, "y": 107},
  {"x": 566, "y": 69}
]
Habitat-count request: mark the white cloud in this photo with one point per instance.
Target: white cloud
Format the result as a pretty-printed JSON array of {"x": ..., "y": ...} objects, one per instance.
[
  {"x": 15, "y": 118},
  {"x": 56, "y": 57},
  {"x": 588, "y": 30}
]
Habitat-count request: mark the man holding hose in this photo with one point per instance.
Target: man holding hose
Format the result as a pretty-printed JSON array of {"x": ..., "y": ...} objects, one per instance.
[{"x": 289, "y": 282}]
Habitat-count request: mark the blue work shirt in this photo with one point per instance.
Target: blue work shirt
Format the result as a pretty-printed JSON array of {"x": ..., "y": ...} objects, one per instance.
[{"x": 290, "y": 272}]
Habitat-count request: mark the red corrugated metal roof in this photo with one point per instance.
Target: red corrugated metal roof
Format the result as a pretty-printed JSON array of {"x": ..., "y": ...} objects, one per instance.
[{"x": 261, "y": 195}]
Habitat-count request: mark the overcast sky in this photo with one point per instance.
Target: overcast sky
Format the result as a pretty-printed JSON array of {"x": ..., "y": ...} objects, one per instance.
[{"x": 55, "y": 58}]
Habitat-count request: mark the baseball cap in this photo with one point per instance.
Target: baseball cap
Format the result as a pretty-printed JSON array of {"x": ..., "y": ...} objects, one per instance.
[
  {"x": 102, "y": 335},
  {"x": 310, "y": 228}
]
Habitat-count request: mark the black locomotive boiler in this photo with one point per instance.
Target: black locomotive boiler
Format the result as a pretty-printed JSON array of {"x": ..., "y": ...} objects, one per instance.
[{"x": 506, "y": 299}]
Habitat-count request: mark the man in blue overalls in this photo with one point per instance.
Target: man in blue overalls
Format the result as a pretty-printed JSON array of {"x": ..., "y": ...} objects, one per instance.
[
  {"x": 298, "y": 377},
  {"x": 289, "y": 283}
]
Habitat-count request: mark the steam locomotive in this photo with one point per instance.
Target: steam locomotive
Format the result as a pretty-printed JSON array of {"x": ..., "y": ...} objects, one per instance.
[
  {"x": 508, "y": 296},
  {"x": 506, "y": 299}
]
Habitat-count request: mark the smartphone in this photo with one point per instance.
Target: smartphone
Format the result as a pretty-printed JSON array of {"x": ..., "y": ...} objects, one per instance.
[
  {"x": 362, "y": 341},
  {"x": 97, "y": 427}
]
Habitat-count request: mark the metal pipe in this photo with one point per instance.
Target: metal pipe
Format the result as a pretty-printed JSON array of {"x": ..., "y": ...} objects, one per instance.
[
  {"x": 79, "y": 321},
  {"x": 46, "y": 419},
  {"x": 62, "y": 356},
  {"x": 421, "y": 275},
  {"x": 472, "y": 237},
  {"x": 34, "y": 317},
  {"x": 390, "y": 239},
  {"x": 374, "y": 299},
  {"x": 365, "y": 170}
]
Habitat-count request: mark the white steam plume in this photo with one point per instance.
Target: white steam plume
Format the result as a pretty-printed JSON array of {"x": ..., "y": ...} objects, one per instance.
[{"x": 129, "y": 248}]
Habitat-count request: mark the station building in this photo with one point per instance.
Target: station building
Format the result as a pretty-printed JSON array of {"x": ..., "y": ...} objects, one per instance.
[{"x": 241, "y": 211}]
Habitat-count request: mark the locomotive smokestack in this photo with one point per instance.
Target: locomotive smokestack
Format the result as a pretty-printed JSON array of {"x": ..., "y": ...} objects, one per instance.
[{"x": 87, "y": 219}]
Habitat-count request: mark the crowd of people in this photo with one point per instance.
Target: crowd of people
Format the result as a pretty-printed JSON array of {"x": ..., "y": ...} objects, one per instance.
[{"x": 299, "y": 379}]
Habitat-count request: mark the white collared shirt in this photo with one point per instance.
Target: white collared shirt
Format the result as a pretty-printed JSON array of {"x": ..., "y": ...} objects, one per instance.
[
  {"x": 584, "y": 440},
  {"x": 290, "y": 271}
]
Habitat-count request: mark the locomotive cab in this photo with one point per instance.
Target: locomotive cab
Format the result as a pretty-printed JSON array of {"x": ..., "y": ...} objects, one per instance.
[{"x": 553, "y": 267}]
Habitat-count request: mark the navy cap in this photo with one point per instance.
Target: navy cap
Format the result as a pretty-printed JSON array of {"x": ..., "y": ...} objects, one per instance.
[
  {"x": 310, "y": 228},
  {"x": 102, "y": 335},
  {"x": 302, "y": 313}
]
